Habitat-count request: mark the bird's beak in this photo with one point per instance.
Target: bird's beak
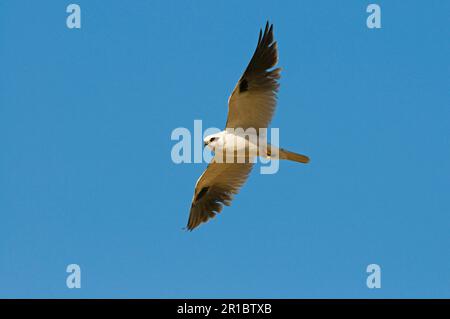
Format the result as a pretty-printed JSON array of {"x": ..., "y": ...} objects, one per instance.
[{"x": 205, "y": 143}]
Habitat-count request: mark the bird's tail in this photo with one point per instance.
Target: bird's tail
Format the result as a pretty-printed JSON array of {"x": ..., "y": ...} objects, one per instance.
[{"x": 291, "y": 156}]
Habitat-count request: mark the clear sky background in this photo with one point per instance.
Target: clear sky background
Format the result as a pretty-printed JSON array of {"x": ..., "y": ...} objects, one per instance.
[{"x": 86, "y": 175}]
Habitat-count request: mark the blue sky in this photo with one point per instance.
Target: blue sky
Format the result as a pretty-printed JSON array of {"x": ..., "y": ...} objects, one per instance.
[{"x": 86, "y": 175}]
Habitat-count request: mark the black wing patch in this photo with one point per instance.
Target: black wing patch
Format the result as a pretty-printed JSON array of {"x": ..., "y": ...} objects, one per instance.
[
  {"x": 243, "y": 85},
  {"x": 264, "y": 58},
  {"x": 202, "y": 193}
]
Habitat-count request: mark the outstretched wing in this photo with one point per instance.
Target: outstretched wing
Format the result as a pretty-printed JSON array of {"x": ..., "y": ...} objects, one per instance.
[
  {"x": 253, "y": 100},
  {"x": 216, "y": 188}
]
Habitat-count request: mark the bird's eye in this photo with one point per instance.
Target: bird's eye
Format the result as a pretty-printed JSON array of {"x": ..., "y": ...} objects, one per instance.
[{"x": 212, "y": 139}]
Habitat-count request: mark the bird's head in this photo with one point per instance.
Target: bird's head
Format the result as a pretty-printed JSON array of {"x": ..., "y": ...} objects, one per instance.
[{"x": 213, "y": 141}]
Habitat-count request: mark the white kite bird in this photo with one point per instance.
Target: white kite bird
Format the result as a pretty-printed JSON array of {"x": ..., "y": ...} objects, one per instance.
[{"x": 250, "y": 106}]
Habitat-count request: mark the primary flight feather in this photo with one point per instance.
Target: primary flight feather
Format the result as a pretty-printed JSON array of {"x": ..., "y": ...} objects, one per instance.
[{"x": 251, "y": 105}]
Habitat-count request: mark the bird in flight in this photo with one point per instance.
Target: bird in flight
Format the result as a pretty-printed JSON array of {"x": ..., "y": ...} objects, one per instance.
[{"x": 250, "y": 106}]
